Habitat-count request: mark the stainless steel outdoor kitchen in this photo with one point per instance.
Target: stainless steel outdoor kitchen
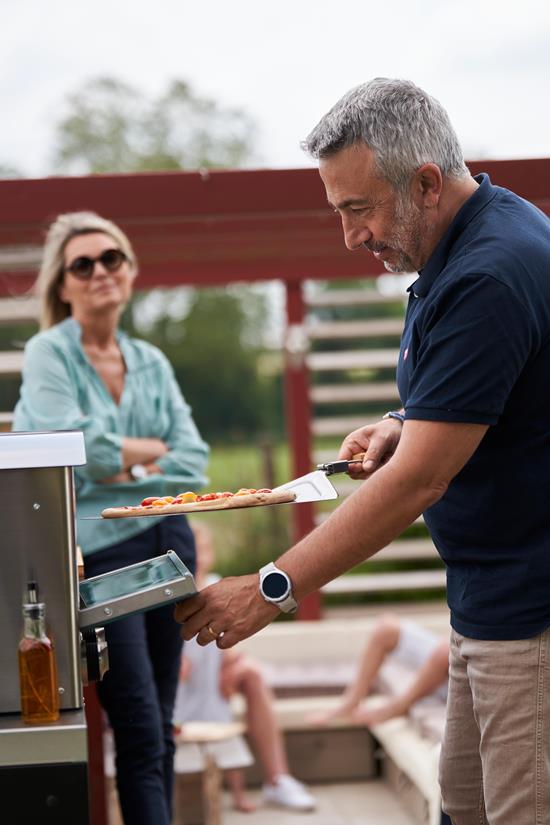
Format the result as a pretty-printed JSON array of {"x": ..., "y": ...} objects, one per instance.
[
  {"x": 43, "y": 758},
  {"x": 43, "y": 768}
]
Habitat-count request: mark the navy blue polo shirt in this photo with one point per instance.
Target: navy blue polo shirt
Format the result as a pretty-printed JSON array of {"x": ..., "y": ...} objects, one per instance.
[{"x": 476, "y": 348}]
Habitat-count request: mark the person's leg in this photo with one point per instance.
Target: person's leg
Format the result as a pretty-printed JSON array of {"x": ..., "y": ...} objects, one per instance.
[
  {"x": 128, "y": 694},
  {"x": 280, "y": 788},
  {"x": 511, "y": 688},
  {"x": 260, "y": 716},
  {"x": 460, "y": 770},
  {"x": 381, "y": 642},
  {"x": 430, "y": 676},
  {"x": 235, "y": 780},
  {"x": 165, "y": 643}
]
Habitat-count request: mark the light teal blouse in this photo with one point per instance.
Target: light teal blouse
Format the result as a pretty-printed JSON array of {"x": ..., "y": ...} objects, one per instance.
[{"x": 62, "y": 391}]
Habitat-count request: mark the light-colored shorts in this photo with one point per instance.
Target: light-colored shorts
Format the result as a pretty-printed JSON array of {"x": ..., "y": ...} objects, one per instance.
[{"x": 414, "y": 648}]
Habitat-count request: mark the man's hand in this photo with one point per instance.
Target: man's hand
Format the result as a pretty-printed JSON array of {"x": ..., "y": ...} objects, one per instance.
[
  {"x": 378, "y": 441},
  {"x": 225, "y": 612}
]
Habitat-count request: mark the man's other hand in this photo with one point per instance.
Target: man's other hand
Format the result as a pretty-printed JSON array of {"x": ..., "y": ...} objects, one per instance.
[
  {"x": 225, "y": 612},
  {"x": 378, "y": 441}
]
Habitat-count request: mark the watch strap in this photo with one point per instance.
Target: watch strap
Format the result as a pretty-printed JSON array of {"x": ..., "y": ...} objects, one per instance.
[{"x": 395, "y": 414}]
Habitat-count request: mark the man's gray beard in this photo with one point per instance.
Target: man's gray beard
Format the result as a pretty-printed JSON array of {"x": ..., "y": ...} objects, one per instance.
[{"x": 413, "y": 225}]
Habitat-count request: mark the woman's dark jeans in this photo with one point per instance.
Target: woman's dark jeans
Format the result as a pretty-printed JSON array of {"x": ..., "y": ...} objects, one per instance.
[{"x": 138, "y": 691}]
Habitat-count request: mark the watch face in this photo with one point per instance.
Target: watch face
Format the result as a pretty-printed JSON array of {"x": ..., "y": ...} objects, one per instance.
[
  {"x": 138, "y": 471},
  {"x": 275, "y": 586}
]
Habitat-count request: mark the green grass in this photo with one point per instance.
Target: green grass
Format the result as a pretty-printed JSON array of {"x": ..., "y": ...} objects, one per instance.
[
  {"x": 246, "y": 539},
  {"x": 234, "y": 466}
]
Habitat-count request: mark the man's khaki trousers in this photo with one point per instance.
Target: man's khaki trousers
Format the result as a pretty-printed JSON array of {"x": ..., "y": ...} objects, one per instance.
[{"x": 495, "y": 760}]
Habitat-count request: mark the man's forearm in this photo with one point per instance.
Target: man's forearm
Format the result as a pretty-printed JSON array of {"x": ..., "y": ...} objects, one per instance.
[
  {"x": 428, "y": 457},
  {"x": 380, "y": 509}
]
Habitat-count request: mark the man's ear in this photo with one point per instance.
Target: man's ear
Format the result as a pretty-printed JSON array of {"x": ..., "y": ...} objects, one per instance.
[{"x": 427, "y": 185}]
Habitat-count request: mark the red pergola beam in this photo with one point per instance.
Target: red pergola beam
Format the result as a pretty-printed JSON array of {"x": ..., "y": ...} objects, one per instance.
[{"x": 216, "y": 227}]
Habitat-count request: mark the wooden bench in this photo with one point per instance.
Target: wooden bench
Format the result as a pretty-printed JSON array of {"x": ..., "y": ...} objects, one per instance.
[{"x": 406, "y": 748}]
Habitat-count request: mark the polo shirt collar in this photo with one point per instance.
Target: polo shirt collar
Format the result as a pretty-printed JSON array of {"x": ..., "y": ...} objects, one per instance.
[{"x": 483, "y": 195}]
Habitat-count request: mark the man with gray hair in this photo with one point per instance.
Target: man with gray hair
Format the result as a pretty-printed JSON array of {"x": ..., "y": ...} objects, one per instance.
[{"x": 470, "y": 447}]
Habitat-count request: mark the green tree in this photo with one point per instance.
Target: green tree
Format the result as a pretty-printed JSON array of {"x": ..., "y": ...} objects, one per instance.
[
  {"x": 112, "y": 127},
  {"x": 9, "y": 171},
  {"x": 213, "y": 345},
  {"x": 214, "y": 350}
]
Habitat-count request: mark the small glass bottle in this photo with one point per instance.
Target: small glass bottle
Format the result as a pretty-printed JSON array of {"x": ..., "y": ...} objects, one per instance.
[{"x": 37, "y": 666}]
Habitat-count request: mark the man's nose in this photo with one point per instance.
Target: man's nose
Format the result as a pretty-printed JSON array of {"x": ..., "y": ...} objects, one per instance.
[{"x": 355, "y": 235}]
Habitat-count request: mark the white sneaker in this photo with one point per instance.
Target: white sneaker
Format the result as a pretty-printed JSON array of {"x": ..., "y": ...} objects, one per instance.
[{"x": 287, "y": 792}]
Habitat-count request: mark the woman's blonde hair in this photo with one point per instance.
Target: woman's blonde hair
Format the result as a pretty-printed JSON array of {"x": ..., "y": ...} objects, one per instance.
[{"x": 52, "y": 308}]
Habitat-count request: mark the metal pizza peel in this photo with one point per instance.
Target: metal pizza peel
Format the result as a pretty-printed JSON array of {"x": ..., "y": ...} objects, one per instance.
[{"x": 315, "y": 486}]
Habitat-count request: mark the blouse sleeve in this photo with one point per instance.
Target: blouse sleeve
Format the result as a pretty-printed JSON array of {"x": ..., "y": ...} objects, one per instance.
[
  {"x": 49, "y": 401},
  {"x": 187, "y": 454}
]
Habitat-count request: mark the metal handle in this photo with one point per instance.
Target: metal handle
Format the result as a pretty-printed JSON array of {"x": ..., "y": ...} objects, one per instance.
[{"x": 340, "y": 466}]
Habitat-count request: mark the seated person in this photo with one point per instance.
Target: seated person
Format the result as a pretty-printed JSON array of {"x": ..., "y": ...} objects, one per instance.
[
  {"x": 418, "y": 649},
  {"x": 208, "y": 679}
]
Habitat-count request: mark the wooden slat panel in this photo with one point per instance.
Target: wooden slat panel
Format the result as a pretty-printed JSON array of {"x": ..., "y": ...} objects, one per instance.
[
  {"x": 352, "y": 360},
  {"x": 353, "y": 297},
  {"x": 339, "y": 426},
  {"x": 16, "y": 310},
  {"x": 11, "y": 363},
  {"x": 385, "y": 582},
  {"x": 369, "y": 328},
  {"x": 321, "y": 517},
  {"x": 341, "y": 393},
  {"x": 407, "y": 550}
]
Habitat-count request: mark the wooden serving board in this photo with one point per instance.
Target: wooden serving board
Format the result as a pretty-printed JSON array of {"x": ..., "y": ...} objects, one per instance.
[{"x": 230, "y": 503}]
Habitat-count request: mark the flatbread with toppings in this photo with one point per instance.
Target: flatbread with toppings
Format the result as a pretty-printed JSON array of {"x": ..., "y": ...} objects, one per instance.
[{"x": 192, "y": 503}]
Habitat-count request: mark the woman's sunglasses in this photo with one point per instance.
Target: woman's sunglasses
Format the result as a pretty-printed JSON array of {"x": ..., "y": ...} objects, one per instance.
[{"x": 83, "y": 267}]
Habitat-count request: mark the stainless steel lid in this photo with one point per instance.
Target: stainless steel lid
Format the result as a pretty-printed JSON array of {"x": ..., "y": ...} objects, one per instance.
[{"x": 60, "y": 448}]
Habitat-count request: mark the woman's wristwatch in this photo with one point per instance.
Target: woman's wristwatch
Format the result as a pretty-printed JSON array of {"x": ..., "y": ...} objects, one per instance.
[
  {"x": 394, "y": 414},
  {"x": 138, "y": 471}
]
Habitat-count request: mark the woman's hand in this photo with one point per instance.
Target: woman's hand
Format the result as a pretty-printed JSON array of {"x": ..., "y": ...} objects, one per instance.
[
  {"x": 120, "y": 478},
  {"x": 377, "y": 441}
]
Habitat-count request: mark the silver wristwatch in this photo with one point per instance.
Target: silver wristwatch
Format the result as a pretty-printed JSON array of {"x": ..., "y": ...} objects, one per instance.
[
  {"x": 138, "y": 471},
  {"x": 276, "y": 588}
]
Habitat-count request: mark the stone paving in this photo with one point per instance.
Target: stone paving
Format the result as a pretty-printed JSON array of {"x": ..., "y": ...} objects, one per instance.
[{"x": 352, "y": 803}]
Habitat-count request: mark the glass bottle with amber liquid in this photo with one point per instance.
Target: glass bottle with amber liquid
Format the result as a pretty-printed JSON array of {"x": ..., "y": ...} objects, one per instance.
[{"x": 37, "y": 666}]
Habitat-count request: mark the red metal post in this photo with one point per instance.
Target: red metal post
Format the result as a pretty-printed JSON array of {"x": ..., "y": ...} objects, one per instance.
[
  {"x": 298, "y": 419},
  {"x": 96, "y": 776}
]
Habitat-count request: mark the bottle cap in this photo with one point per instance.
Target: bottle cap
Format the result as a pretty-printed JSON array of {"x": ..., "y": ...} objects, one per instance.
[{"x": 32, "y": 608}]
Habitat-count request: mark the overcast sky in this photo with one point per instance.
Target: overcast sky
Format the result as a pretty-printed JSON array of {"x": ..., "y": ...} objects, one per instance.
[{"x": 285, "y": 63}]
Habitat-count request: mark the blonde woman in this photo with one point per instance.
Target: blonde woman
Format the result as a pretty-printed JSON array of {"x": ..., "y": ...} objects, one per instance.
[{"x": 81, "y": 372}]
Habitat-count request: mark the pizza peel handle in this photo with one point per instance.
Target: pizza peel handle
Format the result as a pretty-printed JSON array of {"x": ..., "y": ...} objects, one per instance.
[{"x": 340, "y": 465}]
